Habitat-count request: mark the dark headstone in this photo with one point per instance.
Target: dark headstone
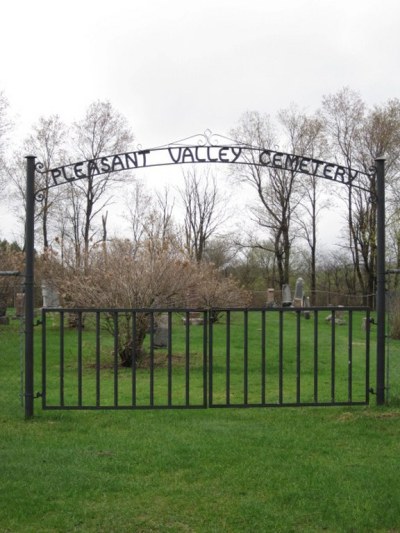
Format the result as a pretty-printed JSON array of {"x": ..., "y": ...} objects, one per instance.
[{"x": 160, "y": 337}]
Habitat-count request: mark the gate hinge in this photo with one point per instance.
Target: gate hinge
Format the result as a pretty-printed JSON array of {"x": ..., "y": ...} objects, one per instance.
[
  {"x": 371, "y": 390},
  {"x": 33, "y": 396}
]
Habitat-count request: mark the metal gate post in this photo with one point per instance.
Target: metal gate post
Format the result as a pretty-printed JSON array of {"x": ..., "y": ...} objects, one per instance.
[
  {"x": 29, "y": 283},
  {"x": 380, "y": 281}
]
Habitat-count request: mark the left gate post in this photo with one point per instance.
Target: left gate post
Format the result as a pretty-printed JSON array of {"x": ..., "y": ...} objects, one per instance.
[{"x": 29, "y": 282}]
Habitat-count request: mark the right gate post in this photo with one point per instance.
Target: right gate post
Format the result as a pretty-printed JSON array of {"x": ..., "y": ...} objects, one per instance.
[{"x": 380, "y": 281}]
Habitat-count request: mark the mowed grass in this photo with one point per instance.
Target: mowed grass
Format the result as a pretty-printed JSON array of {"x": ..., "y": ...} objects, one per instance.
[{"x": 304, "y": 469}]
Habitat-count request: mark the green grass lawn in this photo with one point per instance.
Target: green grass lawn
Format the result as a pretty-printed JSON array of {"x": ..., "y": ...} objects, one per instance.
[{"x": 304, "y": 469}]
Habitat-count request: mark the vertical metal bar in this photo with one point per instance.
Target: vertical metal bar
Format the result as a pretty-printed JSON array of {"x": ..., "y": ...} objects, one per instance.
[
  {"x": 210, "y": 358},
  {"x": 97, "y": 358},
  {"x": 79, "y": 326},
  {"x": 246, "y": 358},
  {"x": 316, "y": 356},
  {"x": 44, "y": 353},
  {"x": 367, "y": 356},
  {"x": 29, "y": 283},
  {"x": 298, "y": 368},
  {"x": 187, "y": 357},
  {"x": 280, "y": 357},
  {"x": 170, "y": 360},
  {"x": 116, "y": 345},
  {"x": 134, "y": 336},
  {"x": 205, "y": 362},
  {"x": 350, "y": 348},
  {"x": 151, "y": 359},
  {"x": 62, "y": 359},
  {"x": 263, "y": 356},
  {"x": 333, "y": 349},
  {"x": 228, "y": 357},
  {"x": 380, "y": 280}
]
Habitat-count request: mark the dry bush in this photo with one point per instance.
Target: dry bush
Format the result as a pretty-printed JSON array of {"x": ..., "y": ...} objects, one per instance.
[
  {"x": 11, "y": 260},
  {"x": 394, "y": 317},
  {"x": 152, "y": 275}
]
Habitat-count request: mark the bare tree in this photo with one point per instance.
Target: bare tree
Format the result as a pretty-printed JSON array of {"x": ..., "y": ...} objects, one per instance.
[
  {"x": 12, "y": 260},
  {"x": 151, "y": 216},
  {"x": 278, "y": 191},
  {"x": 164, "y": 204},
  {"x": 47, "y": 143},
  {"x": 255, "y": 266},
  {"x": 103, "y": 131},
  {"x": 221, "y": 252},
  {"x": 5, "y": 127},
  {"x": 343, "y": 114},
  {"x": 359, "y": 136},
  {"x": 138, "y": 205},
  {"x": 204, "y": 211},
  {"x": 305, "y": 137}
]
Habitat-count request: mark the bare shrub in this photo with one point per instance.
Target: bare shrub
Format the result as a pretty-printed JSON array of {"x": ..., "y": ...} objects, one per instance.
[
  {"x": 394, "y": 316},
  {"x": 152, "y": 275}
]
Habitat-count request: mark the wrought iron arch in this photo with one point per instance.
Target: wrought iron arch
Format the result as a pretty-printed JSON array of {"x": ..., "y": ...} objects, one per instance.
[{"x": 200, "y": 149}]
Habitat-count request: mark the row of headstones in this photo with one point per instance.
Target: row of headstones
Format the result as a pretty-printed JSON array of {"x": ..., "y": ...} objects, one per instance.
[
  {"x": 50, "y": 299},
  {"x": 19, "y": 309},
  {"x": 299, "y": 300}
]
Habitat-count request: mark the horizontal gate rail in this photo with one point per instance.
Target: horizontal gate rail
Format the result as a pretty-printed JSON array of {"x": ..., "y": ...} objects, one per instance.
[{"x": 196, "y": 358}]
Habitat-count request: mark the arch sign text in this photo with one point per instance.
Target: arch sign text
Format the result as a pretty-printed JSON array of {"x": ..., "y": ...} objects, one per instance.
[{"x": 178, "y": 154}]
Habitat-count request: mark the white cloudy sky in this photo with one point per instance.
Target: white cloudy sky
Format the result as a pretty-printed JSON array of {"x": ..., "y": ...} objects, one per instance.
[{"x": 175, "y": 68}]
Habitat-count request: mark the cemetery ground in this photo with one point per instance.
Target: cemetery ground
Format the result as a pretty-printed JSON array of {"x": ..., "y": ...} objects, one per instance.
[{"x": 283, "y": 469}]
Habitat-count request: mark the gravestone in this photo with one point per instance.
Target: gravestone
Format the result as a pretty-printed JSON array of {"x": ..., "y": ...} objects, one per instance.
[
  {"x": 307, "y": 305},
  {"x": 160, "y": 337},
  {"x": 286, "y": 296},
  {"x": 4, "y": 320},
  {"x": 298, "y": 293},
  {"x": 270, "y": 297},
  {"x": 195, "y": 318},
  {"x": 339, "y": 317},
  {"x": 19, "y": 304},
  {"x": 50, "y": 295}
]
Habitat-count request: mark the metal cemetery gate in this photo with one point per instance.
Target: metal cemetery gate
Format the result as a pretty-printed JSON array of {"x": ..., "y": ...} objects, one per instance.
[
  {"x": 218, "y": 390},
  {"x": 189, "y": 359}
]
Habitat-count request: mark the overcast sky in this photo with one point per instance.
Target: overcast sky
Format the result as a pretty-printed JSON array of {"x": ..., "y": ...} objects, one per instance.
[{"x": 178, "y": 67}]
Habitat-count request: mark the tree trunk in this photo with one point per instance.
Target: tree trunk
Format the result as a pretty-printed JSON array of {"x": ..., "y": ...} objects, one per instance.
[{"x": 131, "y": 350}]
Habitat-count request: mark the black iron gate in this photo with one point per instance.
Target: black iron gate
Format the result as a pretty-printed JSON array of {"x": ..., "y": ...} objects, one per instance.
[
  {"x": 190, "y": 358},
  {"x": 207, "y": 149}
]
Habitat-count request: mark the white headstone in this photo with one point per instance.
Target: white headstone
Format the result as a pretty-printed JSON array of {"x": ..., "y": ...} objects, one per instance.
[
  {"x": 50, "y": 295},
  {"x": 270, "y": 297}
]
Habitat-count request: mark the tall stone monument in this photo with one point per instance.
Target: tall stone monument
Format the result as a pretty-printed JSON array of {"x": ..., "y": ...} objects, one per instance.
[
  {"x": 286, "y": 296},
  {"x": 299, "y": 293}
]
